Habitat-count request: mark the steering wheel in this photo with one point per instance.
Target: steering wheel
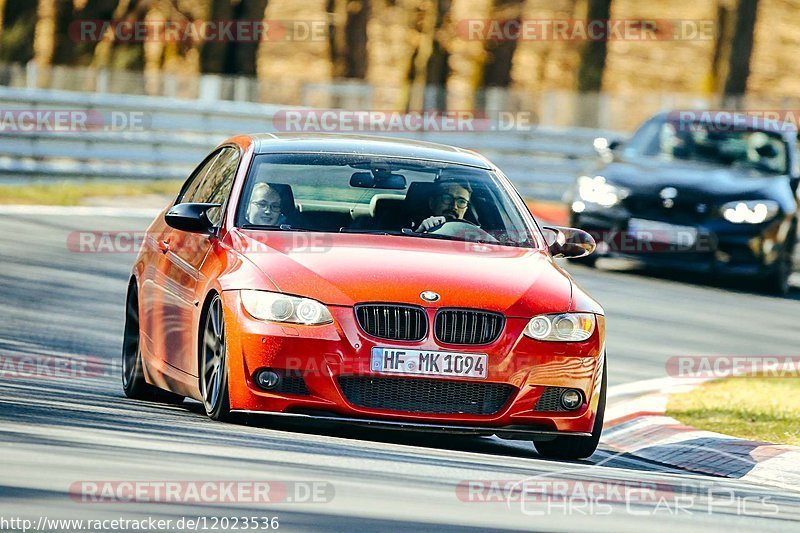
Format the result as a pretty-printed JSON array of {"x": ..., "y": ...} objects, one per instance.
[{"x": 459, "y": 227}]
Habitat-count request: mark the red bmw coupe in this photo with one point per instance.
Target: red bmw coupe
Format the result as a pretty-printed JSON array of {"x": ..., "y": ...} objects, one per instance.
[{"x": 369, "y": 281}]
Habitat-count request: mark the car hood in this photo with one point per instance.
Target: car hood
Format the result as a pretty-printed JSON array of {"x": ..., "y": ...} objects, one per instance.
[
  {"x": 345, "y": 269},
  {"x": 649, "y": 176}
]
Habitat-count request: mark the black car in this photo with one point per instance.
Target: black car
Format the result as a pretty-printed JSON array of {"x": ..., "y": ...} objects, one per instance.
[{"x": 700, "y": 191}]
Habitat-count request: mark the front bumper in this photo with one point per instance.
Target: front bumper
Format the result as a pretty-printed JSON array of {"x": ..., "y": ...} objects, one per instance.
[
  {"x": 720, "y": 247},
  {"x": 323, "y": 354}
]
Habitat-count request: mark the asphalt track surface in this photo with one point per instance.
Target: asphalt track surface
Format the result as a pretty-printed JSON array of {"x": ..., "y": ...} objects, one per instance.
[{"x": 55, "y": 432}]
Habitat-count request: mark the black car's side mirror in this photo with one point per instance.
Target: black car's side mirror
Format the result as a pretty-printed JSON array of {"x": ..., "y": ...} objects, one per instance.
[
  {"x": 571, "y": 243},
  {"x": 191, "y": 217}
]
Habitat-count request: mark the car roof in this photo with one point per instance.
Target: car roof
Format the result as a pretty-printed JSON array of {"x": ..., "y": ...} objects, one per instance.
[{"x": 367, "y": 145}]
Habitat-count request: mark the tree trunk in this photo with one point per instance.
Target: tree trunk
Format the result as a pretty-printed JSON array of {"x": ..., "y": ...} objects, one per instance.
[
  {"x": 242, "y": 56},
  {"x": 44, "y": 41},
  {"x": 500, "y": 53},
  {"x": 593, "y": 55},
  {"x": 429, "y": 60},
  {"x": 741, "y": 48},
  {"x": 347, "y": 37},
  {"x": 213, "y": 53},
  {"x": 591, "y": 68},
  {"x": 2, "y": 18}
]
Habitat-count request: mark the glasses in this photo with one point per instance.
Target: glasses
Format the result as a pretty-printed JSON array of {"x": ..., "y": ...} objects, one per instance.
[
  {"x": 263, "y": 205},
  {"x": 460, "y": 202}
]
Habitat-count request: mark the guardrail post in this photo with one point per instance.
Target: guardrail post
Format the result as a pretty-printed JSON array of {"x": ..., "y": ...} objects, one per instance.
[{"x": 210, "y": 87}]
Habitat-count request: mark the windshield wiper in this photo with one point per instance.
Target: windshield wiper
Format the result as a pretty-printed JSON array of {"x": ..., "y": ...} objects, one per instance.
[
  {"x": 282, "y": 227},
  {"x": 372, "y": 231}
]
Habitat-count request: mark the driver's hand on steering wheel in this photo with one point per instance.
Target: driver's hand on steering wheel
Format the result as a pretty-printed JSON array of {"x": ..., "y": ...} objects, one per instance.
[{"x": 431, "y": 223}]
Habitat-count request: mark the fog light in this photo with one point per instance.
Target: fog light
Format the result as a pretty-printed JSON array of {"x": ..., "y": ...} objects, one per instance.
[
  {"x": 268, "y": 380},
  {"x": 571, "y": 399}
]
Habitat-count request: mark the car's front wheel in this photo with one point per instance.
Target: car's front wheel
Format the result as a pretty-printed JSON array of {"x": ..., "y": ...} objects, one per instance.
[
  {"x": 571, "y": 447},
  {"x": 214, "y": 363},
  {"x": 133, "y": 382},
  {"x": 777, "y": 281}
]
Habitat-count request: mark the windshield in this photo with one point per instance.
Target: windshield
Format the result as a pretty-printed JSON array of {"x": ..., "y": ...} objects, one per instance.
[
  {"x": 349, "y": 193},
  {"x": 760, "y": 151}
]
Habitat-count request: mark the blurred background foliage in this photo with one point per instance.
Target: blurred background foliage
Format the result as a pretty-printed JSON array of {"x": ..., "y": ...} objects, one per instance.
[{"x": 413, "y": 48}]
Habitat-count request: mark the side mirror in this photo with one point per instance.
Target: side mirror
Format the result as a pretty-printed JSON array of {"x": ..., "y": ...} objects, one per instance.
[
  {"x": 569, "y": 242},
  {"x": 191, "y": 217}
]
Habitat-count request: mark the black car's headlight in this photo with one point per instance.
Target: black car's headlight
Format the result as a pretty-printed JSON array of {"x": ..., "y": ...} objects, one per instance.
[
  {"x": 750, "y": 211},
  {"x": 277, "y": 307},
  {"x": 561, "y": 327},
  {"x": 597, "y": 191}
]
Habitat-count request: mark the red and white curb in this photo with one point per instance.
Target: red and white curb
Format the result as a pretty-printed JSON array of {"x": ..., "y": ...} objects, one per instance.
[{"x": 635, "y": 424}]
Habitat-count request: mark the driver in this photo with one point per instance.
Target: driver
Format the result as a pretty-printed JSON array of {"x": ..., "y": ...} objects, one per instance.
[
  {"x": 266, "y": 207},
  {"x": 449, "y": 201}
]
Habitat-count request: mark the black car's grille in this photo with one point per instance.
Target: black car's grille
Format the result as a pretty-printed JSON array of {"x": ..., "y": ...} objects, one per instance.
[
  {"x": 416, "y": 395},
  {"x": 550, "y": 400},
  {"x": 393, "y": 322},
  {"x": 467, "y": 326},
  {"x": 682, "y": 211}
]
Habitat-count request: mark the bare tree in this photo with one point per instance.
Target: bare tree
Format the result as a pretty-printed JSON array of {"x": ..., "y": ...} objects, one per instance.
[
  {"x": 741, "y": 48},
  {"x": 429, "y": 69},
  {"x": 44, "y": 41},
  {"x": 593, "y": 54},
  {"x": 591, "y": 68},
  {"x": 347, "y": 37},
  {"x": 499, "y": 53}
]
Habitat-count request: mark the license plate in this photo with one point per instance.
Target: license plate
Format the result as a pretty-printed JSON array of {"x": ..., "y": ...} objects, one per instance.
[
  {"x": 428, "y": 363},
  {"x": 661, "y": 232}
]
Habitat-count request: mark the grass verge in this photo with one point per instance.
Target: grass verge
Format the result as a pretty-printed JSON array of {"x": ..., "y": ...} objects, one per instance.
[
  {"x": 754, "y": 408},
  {"x": 76, "y": 192}
]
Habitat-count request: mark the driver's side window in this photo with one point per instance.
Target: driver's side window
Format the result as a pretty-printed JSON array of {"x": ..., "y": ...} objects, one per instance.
[{"x": 189, "y": 189}]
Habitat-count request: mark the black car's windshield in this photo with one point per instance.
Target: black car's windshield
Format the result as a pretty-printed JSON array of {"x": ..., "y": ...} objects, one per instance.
[
  {"x": 386, "y": 196},
  {"x": 761, "y": 151}
]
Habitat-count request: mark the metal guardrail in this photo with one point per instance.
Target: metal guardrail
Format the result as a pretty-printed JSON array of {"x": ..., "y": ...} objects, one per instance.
[{"x": 176, "y": 134}]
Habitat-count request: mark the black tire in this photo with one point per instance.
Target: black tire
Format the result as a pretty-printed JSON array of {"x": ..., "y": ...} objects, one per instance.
[
  {"x": 133, "y": 383},
  {"x": 213, "y": 362},
  {"x": 777, "y": 281},
  {"x": 570, "y": 447}
]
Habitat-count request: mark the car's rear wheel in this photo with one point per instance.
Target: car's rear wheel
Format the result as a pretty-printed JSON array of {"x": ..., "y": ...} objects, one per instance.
[
  {"x": 214, "y": 363},
  {"x": 571, "y": 447},
  {"x": 133, "y": 383}
]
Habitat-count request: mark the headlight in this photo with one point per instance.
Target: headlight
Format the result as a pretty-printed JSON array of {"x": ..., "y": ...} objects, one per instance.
[
  {"x": 564, "y": 327},
  {"x": 750, "y": 212},
  {"x": 277, "y": 307},
  {"x": 597, "y": 191}
]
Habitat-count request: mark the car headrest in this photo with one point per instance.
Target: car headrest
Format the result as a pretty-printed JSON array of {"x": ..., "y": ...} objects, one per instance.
[
  {"x": 287, "y": 196},
  {"x": 381, "y": 204},
  {"x": 418, "y": 197}
]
